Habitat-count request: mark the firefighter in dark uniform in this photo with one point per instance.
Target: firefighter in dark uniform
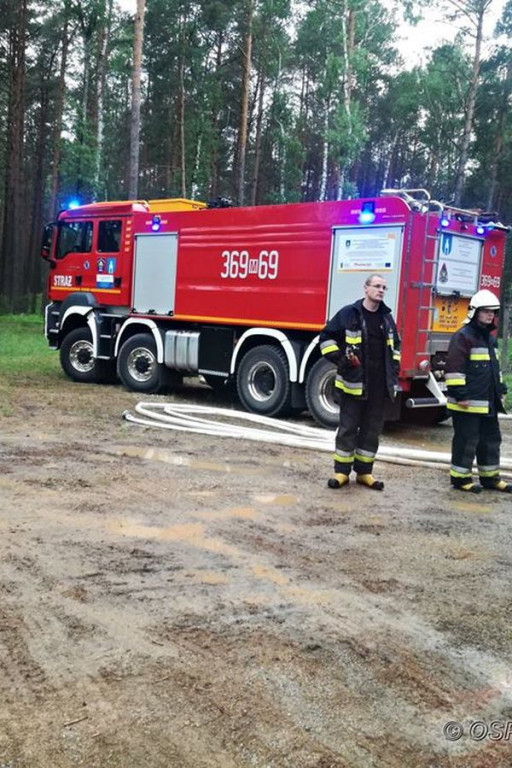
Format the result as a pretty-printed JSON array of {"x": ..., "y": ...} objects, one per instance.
[
  {"x": 475, "y": 392},
  {"x": 362, "y": 341}
]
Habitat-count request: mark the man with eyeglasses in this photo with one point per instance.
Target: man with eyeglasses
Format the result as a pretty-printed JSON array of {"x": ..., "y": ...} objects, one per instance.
[{"x": 362, "y": 341}]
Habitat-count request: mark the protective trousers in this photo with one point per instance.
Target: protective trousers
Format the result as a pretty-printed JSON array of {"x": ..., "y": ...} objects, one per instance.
[
  {"x": 357, "y": 439},
  {"x": 475, "y": 435}
]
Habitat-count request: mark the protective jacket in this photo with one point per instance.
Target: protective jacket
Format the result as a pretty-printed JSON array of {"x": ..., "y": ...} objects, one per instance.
[
  {"x": 344, "y": 341},
  {"x": 472, "y": 371}
]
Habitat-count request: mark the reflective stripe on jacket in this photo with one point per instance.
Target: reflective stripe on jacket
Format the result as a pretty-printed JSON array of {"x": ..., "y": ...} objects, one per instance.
[
  {"x": 472, "y": 372},
  {"x": 344, "y": 341}
]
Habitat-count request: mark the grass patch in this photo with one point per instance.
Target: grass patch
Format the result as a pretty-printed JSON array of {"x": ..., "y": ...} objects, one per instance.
[
  {"x": 24, "y": 352},
  {"x": 25, "y": 357},
  {"x": 507, "y": 377}
]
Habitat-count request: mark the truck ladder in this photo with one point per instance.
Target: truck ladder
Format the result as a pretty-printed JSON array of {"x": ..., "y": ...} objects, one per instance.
[
  {"x": 420, "y": 200},
  {"x": 424, "y": 285}
]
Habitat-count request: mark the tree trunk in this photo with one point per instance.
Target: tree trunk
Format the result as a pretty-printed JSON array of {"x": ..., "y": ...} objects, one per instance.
[
  {"x": 349, "y": 31},
  {"x": 244, "y": 106},
  {"x": 59, "y": 108},
  {"x": 470, "y": 107},
  {"x": 181, "y": 109},
  {"x": 325, "y": 152},
  {"x": 257, "y": 140},
  {"x": 136, "y": 99},
  {"x": 183, "y": 158},
  {"x": 498, "y": 141},
  {"x": 304, "y": 114},
  {"x": 214, "y": 155},
  {"x": 32, "y": 277},
  {"x": 13, "y": 239},
  {"x": 104, "y": 34}
]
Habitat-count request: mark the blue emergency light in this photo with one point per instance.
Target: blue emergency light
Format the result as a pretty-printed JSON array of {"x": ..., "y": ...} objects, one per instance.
[{"x": 367, "y": 215}]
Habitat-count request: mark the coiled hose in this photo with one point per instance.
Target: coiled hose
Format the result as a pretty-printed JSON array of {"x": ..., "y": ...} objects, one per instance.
[{"x": 205, "y": 420}]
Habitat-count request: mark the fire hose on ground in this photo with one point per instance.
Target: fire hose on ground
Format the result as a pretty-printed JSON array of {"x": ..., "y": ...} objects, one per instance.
[{"x": 205, "y": 420}]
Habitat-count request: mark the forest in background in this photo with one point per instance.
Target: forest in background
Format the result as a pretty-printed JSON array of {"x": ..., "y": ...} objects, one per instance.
[{"x": 257, "y": 101}]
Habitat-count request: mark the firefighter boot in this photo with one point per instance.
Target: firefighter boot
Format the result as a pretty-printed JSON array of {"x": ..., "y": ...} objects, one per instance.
[
  {"x": 337, "y": 481},
  {"x": 497, "y": 485},
  {"x": 370, "y": 482},
  {"x": 467, "y": 485}
]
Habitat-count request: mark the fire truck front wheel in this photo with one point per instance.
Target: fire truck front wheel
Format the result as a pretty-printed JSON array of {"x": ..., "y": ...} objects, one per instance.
[
  {"x": 76, "y": 357},
  {"x": 138, "y": 366},
  {"x": 321, "y": 394},
  {"x": 263, "y": 381}
]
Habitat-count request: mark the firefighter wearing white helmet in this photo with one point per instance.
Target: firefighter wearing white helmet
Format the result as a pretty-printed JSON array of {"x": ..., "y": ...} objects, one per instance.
[
  {"x": 475, "y": 394},
  {"x": 482, "y": 299}
]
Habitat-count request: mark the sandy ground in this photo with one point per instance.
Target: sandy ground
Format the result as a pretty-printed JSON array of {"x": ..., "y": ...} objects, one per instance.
[{"x": 180, "y": 601}]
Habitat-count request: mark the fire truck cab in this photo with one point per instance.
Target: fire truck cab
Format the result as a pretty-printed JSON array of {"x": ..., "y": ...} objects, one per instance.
[{"x": 151, "y": 291}]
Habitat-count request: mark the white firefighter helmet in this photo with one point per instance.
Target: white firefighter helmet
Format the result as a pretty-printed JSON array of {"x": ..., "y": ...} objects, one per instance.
[{"x": 482, "y": 299}]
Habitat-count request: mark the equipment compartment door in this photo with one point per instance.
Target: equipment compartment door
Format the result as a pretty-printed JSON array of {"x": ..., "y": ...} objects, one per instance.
[
  {"x": 154, "y": 280},
  {"x": 357, "y": 253}
]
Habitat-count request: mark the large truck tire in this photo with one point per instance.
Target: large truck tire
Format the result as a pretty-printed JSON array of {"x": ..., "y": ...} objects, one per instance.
[
  {"x": 138, "y": 366},
  {"x": 263, "y": 381},
  {"x": 76, "y": 358},
  {"x": 321, "y": 394}
]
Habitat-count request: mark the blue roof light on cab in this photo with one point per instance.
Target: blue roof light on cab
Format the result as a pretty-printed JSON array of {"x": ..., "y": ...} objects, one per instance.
[{"x": 367, "y": 215}]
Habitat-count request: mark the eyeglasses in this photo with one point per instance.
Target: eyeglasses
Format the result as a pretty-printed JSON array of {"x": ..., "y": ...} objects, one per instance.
[{"x": 379, "y": 286}]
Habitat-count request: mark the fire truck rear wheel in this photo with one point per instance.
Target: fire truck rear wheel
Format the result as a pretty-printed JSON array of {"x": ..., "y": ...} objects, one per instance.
[
  {"x": 138, "y": 366},
  {"x": 76, "y": 357},
  {"x": 263, "y": 381},
  {"x": 321, "y": 394}
]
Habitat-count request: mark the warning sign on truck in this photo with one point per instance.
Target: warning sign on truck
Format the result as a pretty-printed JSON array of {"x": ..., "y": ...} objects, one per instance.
[
  {"x": 458, "y": 265},
  {"x": 449, "y": 313}
]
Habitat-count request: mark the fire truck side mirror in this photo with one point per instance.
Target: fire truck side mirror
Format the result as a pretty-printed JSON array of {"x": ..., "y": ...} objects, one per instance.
[{"x": 46, "y": 243}]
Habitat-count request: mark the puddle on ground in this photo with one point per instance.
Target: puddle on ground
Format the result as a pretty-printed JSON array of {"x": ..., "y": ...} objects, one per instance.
[
  {"x": 259, "y": 599},
  {"x": 270, "y": 574},
  {"x": 311, "y": 596},
  {"x": 377, "y": 521},
  {"x": 191, "y": 533},
  {"x": 285, "y": 528},
  {"x": 206, "y": 577},
  {"x": 158, "y": 454},
  {"x": 281, "y": 500},
  {"x": 343, "y": 507},
  {"x": 466, "y": 506},
  {"x": 461, "y": 553},
  {"x": 245, "y": 513}
]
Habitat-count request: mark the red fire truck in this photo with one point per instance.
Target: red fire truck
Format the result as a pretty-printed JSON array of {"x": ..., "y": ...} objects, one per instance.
[{"x": 154, "y": 291}]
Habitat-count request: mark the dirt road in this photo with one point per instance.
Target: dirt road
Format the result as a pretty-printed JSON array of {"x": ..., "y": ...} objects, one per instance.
[{"x": 178, "y": 601}]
